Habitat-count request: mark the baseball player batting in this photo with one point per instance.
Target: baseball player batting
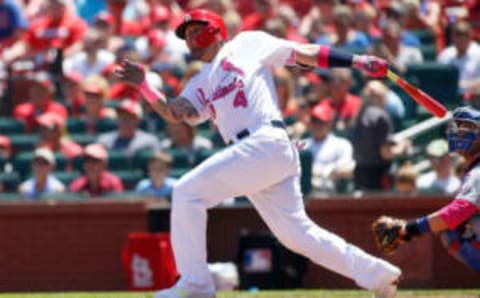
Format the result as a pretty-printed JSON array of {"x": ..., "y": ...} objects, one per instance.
[
  {"x": 235, "y": 90},
  {"x": 458, "y": 223}
]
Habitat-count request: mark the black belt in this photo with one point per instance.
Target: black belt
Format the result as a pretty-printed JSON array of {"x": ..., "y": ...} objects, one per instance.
[{"x": 245, "y": 132}]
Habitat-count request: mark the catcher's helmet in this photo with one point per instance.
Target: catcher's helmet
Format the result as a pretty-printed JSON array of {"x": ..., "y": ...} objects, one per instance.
[
  {"x": 214, "y": 31},
  {"x": 463, "y": 139}
]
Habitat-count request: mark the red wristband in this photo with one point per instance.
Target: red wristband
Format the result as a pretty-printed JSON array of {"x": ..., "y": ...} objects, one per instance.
[
  {"x": 150, "y": 94},
  {"x": 322, "y": 58}
]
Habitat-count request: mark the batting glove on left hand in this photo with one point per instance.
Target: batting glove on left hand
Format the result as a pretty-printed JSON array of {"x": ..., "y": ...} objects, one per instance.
[{"x": 373, "y": 66}]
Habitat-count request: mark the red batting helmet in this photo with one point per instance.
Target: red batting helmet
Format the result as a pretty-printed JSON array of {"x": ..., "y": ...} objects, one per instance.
[{"x": 214, "y": 31}]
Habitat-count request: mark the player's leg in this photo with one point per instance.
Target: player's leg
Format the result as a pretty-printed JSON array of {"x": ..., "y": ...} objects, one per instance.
[
  {"x": 237, "y": 170},
  {"x": 282, "y": 208}
]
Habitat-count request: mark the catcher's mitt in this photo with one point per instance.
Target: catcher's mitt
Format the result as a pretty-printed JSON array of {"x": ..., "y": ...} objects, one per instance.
[{"x": 386, "y": 231}]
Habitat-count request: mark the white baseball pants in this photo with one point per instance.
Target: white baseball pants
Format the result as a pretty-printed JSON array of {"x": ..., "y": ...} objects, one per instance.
[{"x": 265, "y": 167}]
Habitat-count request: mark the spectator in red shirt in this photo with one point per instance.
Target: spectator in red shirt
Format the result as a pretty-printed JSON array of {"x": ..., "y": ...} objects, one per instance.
[
  {"x": 58, "y": 28},
  {"x": 97, "y": 181},
  {"x": 345, "y": 104},
  {"x": 41, "y": 95},
  {"x": 52, "y": 127}
]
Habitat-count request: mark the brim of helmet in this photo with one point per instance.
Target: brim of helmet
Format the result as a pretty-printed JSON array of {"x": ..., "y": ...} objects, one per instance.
[{"x": 180, "y": 31}]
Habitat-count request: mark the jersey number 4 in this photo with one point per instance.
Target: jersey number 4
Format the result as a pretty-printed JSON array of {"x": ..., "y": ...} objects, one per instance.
[{"x": 240, "y": 100}]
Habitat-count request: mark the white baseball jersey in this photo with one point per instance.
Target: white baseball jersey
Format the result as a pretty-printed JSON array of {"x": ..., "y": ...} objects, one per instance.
[
  {"x": 470, "y": 189},
  {"x": 236, "y": 89}
]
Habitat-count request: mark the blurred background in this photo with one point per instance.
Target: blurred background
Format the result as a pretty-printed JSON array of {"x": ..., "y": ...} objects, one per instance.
[{"x": 78, "y": 147}]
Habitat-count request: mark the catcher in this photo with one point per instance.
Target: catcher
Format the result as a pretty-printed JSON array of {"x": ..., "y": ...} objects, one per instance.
[{"x": 458, "y": 223}]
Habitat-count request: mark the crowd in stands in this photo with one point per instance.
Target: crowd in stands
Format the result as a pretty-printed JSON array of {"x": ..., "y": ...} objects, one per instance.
[{"x": 68, "y": 125}]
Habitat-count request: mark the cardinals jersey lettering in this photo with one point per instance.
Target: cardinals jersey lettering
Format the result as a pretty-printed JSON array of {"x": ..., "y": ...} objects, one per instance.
[{"x": 236, "y": 89}]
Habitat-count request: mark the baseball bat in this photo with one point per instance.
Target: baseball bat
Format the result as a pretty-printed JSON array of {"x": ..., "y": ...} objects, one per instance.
[{"x": 418, "y": 95}]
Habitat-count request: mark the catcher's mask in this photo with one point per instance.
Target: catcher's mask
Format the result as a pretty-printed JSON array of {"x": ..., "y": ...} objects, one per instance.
[
  {"x": 214, "y": 31},
  {"x": 459, "y": 137}
]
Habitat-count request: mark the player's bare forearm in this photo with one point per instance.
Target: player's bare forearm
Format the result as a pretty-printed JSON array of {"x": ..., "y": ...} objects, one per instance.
[
  {"x": 174, "y": 111},
  {"x": 177, "y": 110},
  {"x": 163, "y": 109}
]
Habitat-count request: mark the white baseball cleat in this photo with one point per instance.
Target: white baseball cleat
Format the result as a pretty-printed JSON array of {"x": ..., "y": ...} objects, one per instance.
[
  {"x": 387, "y": 291},
  {"x": 182, "y": 293}
]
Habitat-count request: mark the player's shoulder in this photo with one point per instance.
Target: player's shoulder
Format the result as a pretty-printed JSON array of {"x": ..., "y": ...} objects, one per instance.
[{"x": 253, "y": 35}]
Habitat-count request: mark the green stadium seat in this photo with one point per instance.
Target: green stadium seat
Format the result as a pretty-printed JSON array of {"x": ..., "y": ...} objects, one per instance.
[
  {"x": 140, "y": 159},
  {"x": 113, "y": 104},
  {"x": 204, "y": 154},
  {"x": 75, "y": 125},
  {"x": 10, "y": 181},
  {"x": 178, "y": 172},
  {"x": 306, "y": 161},
  {"x": 425, "y": 36},
  {"x": 66, "y": 177},
  {"x": 438, "y": 80},
  {"x": 181, "y": 158},
  {"x": 118, "y": 160},
  {"x": 3, "y": 161},
  {"x": 10, "y": 126},
  {"x": 22, "y": 162},
  {"x": 106, "y": 125},
  {"x": 206, "y": 133},
  {"x": 10, "y": 196},
  {"x": 83, "y": 139},
  {"x": 130, "y": 178},
  {"x": 23, "y": 142},
  {"x": 429, "y": 52}
]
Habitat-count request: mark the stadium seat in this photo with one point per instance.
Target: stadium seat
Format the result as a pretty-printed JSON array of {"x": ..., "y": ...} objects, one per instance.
[
  {"x": 429, "y": 52},
  {"x": 129, "y": 178},
  {"x": 438, "y": 80},
  {"x": 426, "y": 37},
  {"x": 10, "y": 126},
  {"x": 181, "y": 158},
  {"x": 178, "y": 172},
  {"x": 3, "y": 162},
  {"x": 204, "y": 154},
  {"x": 140, "y": 160},
  {"x": 10, "y": 181},
  {"x": 75, "y": 125},
  {"x": 306, "y": 160},
  {"x": 105, "y": 125},
  {"x": 66, "y": 177},
  {"x": 22, "y": 162},
  {"x": 83, "y": 139},
  {"x": 10, "y": 196},
  {"x": 23, "y": 142},
  {"x": 118, "y": 160}
]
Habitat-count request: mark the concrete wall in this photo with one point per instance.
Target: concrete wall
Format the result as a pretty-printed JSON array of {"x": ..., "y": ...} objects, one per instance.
[{"x": 76, "y": 245}]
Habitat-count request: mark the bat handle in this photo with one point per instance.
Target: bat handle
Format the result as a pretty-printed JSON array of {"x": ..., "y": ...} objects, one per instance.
[{"x": 392, "y": 76}]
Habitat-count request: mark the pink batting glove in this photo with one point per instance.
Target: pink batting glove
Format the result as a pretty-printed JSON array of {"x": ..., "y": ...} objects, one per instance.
[{"x": 373, "y": 66}]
